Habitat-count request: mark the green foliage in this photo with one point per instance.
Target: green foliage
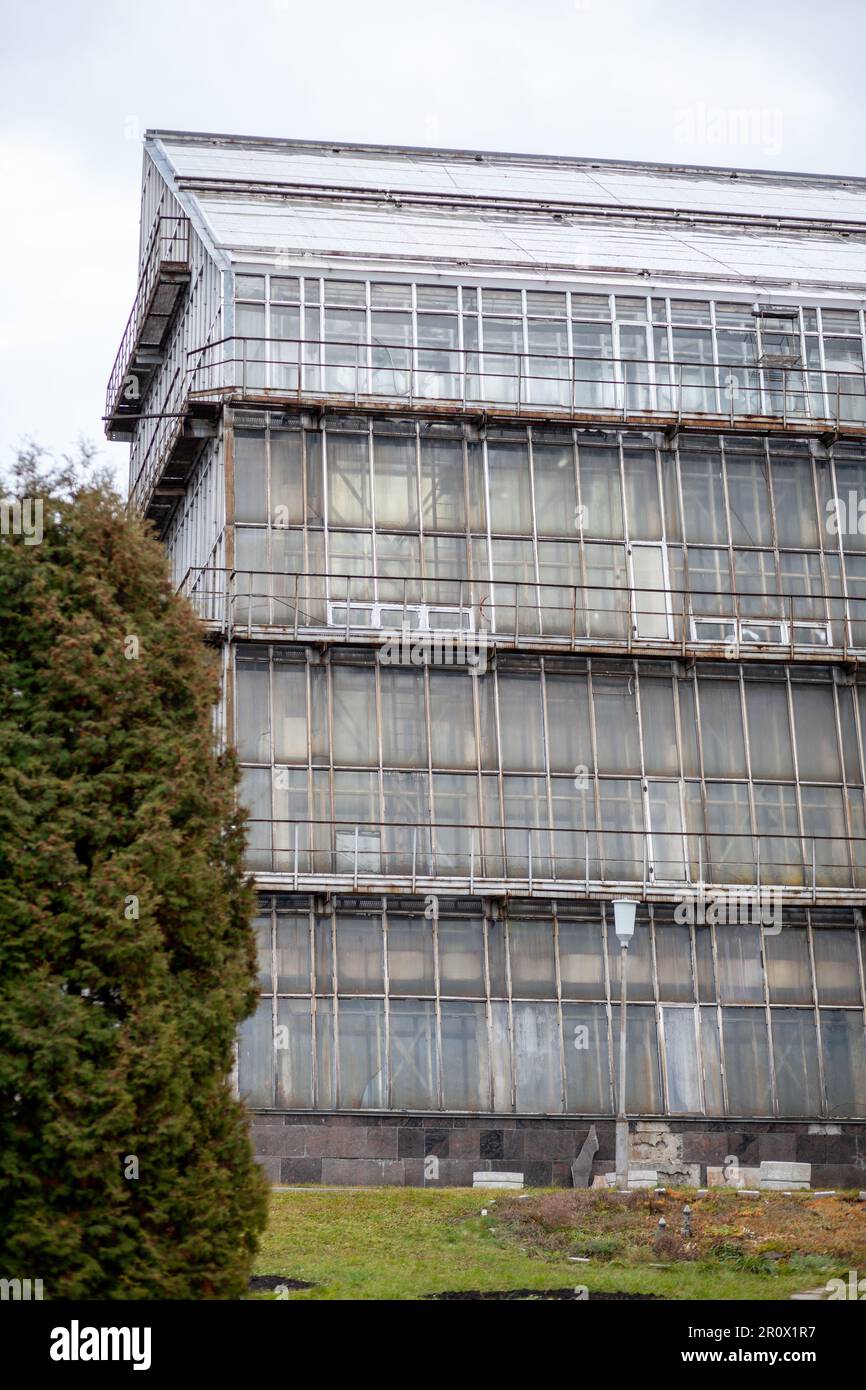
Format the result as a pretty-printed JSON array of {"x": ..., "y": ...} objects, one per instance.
[{"x": 126, "y": 955}]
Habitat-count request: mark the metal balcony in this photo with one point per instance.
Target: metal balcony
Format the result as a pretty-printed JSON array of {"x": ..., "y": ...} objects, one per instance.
[
  {"x": 338, "y": 856},
  {"x": 473, "y": 616},
  {"x": 164, "y": 279}
]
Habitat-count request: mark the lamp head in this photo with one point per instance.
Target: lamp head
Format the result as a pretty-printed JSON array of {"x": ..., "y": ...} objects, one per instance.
[{"x": 623, "y": 920}]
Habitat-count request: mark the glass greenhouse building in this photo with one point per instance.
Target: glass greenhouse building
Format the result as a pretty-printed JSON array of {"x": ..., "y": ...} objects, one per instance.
[{"x": 532, "y": 535}]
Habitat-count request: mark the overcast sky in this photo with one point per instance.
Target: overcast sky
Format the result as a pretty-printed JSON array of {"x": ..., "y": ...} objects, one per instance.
[{"x": 755, "y": 83}]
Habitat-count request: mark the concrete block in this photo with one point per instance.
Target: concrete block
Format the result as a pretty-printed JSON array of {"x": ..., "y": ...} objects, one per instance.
[
  {"x": 776, "y": 1171},
  {"x": 508, "y": 1180}
]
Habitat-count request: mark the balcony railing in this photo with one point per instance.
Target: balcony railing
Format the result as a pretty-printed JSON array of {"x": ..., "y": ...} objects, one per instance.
[
  {"x": 522, "y": 384},
  {"x": 504, "y": 612},
  {"x": 555, "y": 860},
  {"x": 165, "y": 271}
]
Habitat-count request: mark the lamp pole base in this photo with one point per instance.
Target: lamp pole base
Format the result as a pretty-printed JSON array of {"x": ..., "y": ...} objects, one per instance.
[{"x": 622, "y": 1152}]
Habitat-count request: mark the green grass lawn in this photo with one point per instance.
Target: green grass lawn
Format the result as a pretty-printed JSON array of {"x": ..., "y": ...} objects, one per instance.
[{"x": 404, "y": 1243}]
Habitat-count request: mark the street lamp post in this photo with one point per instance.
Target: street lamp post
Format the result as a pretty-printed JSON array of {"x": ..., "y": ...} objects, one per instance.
[{"x": 623, "y": 923}]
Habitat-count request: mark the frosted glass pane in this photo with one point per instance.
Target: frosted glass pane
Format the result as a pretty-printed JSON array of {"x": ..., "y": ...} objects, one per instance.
[
  {"x": 747, "y": 1063},
  {"x": 354, "y": 697},
  {"x": 465, "y": 1063},
  {"x": 293, "y": 953},
  {"x": 643, "y": 1082},
  {"x": 410, "y": 955},
  {"x": 581, "y": 960},
  {"x": 659, "y": 726},
  {"x": 404, "y": 727},
  {"x": 815, "y": 721},
  {"x": 359, "y": 955},
  {"x": 587, "y": 1061},
  {"x": 538, "y": 1080},
  {"x": 251, "y": 712},
  {"x": 674, "y": 963},
  {"x": 256, "y": 1057},
  {"x": 363, "y": 1071},
  {"x": 738, "y": 953},
  {"x": 769, "y": 731},
  {"x": 452, "y": 720},
  {"x": 681, "y": 1062},
  {"x": 520, "y": 723},
  {"x": 532, "y": 968},
  {"x": 414, "y": 1060},
  {"x": 722, "y": 729},
  {"x": 838, "y": 977},
  {"x": 290, "y": 713},
  {"x": 789, "y": 973},
  {"x": 461, "y": 956},
  {"x": 795, "y": 1058},
  {"x": 294, "y": 1053},
  {"x": 844, "y": 1061}
]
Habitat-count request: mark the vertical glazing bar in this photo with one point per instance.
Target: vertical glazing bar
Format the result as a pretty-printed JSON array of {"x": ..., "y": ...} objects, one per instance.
[
  {"x": 355, "y": 857},
  {"x": 296, "y": 855}
]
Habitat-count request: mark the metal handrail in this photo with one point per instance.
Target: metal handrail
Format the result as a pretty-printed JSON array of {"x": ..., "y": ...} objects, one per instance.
[
  {"x": 300, "y": 367},
  {"x": 518, "y": 610},
  {"x": 168, "y": 245},
  {"x": 493, "y": 850}
]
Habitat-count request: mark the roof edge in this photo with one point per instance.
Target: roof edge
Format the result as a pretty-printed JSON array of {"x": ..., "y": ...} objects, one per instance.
[{"x": 435, "y": 153}]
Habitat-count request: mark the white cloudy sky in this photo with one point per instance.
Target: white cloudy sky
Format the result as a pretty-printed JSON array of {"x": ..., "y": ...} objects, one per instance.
[{"x": 80, "y": 80}]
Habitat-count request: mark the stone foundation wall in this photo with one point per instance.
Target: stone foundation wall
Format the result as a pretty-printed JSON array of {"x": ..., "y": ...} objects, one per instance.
[{"x": 365, "y": 1150}]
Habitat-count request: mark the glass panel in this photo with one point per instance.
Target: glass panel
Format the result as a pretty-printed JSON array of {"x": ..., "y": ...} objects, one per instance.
[
  {"x": 461, "y": 956},
  {"x": 294, "y": 1054},
  {"x": 404, "y": 728},
  {"x": 681, "y": 1062},
  {"x": 533, "y": 974},
  {"x": 510, "y": 502},
  {"x": 568, "y": 729},
  {"x": 674, "y": 963},
  {"x": 639, "y": 967},
  {"x": 290, "y": 713},
  {"x": 326, "y": 1055},
  {"x": 348, "y": 480},
  {"x": 769, "y": 732},
  {"x": 520, "y": 723},
  {"x": 738, "y": 953},
  {"x": 642, "y": 496},
  {"x": 789, "y": 972},
  {"x": 256, "y": 1057},
  {"x": 659, "y": 726},
  {"x": 465, "y": 1061},
  {"x": 443, "y": 499},
  {"x": 616, "y": 724},
  {"x": 714, "y": 1102},
  {"x": 836, "y": 966},
  {"x": 623, "y": 841},
  {"x": 794, "y": 497},
  {"x": 581, "y": 961},
  {"x": 643, "y": 1083},
  {"x": 452, "y": 720},
  {"x": 747, "y": 1063},
  {"x": 538, "y": 1080},
  {"x": 414, "y": 1059},
  {"x": 555, "y": 489},
  {"x": 363, "y": 1072},
  {"x": 749, "y": 501},
  {"x": 293, "y": 953},
  {"x": 251, "y": 479},
  {"x": 844, "y": 1061},
  {"x": 359, "y": 955},
  {"x": 729, "y": 825},
  {"x": 354, "y": 697},
  {"x": 410, "y": 956},
  {"x": 396, "y": 481},
  {"x": 795, "y": 1057},
  {"x": 722, "y": 729},
  {"x": 252, "y": 715},
  {"x": 703, "y": 498},
  {"x": 815, "y": 722},
  {"x": 587, "y": 1062},
  {"x": 600, "y": 493}
]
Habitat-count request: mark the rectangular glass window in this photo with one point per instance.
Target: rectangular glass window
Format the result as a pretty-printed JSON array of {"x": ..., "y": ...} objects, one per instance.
[
  {"x": 414, "y": 1055},
  {"x": 795, "y": 1058},
  {"x": 581, "y": 960},
  {"x": 354, "y": 697},
  {"x": 360, "y": 968},
  {"x": 410, "y": 956},
  {"x": 461, "y": 956},
  {"x": 769, "y": 730},
  {"x": 587, "y": 1061},
  {"x": 681, "y": 1062},
  {"x": 836, "y": 966},
  {"x": 533, "y": 973},
  {"x": 643, "y": 1082},
  {"x": 722, "y": 729},
  {"x": 537, "y": 1072},
  {"x": 363, "y": 1064},
  {"x": 293, "y": 953},
  {"x": 738, "y": 952},
  {"x": 465, "y": 1062},
  {"x": 844, "y": 1061},
  {"x": 747, "y": 1062},
  {"x": 294, "y": 1054}
]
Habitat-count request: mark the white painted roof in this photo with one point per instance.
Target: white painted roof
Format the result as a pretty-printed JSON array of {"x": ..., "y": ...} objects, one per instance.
[{"x": 318, "y": 203}]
